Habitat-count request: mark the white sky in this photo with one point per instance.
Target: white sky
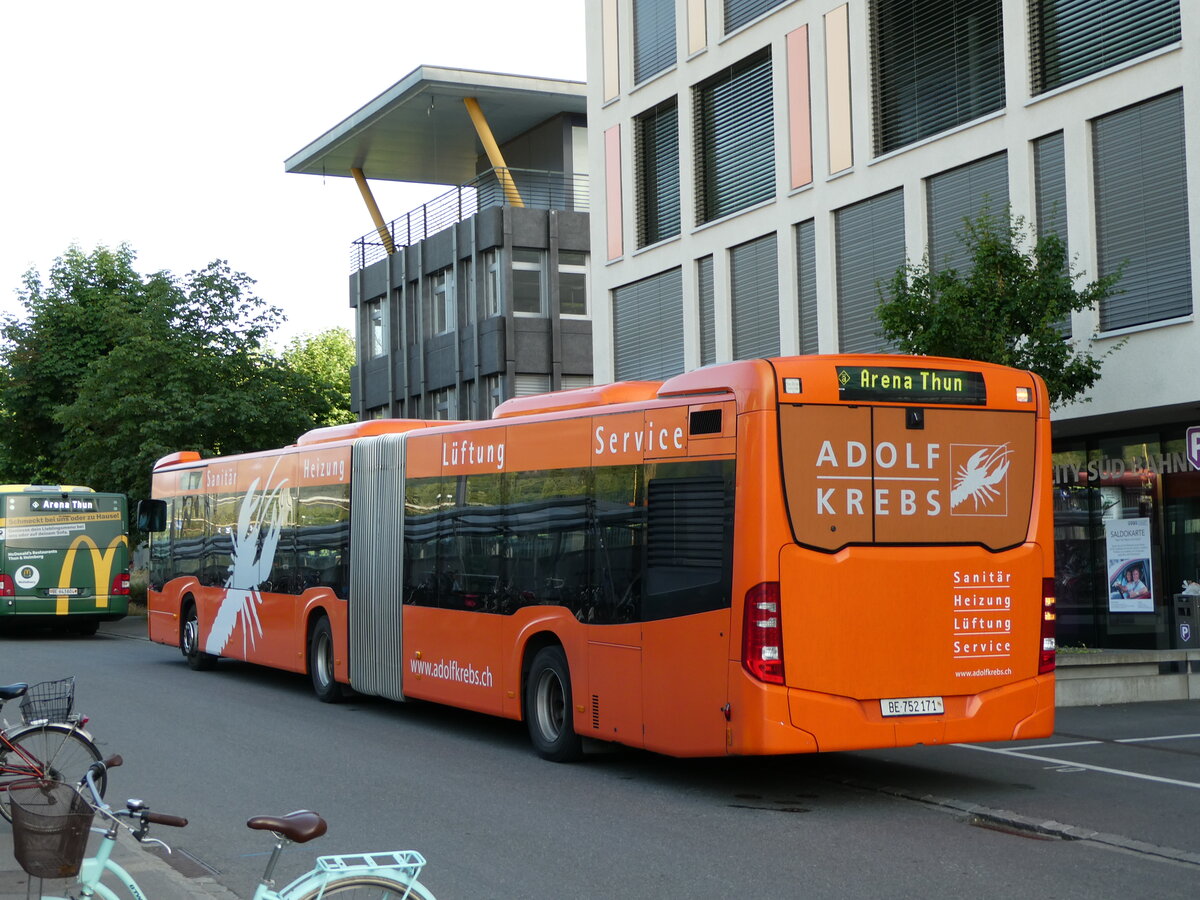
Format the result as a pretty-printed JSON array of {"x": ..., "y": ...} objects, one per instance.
[{"x": 165, "y": 125}]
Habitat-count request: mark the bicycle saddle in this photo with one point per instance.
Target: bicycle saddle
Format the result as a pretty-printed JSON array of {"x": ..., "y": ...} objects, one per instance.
[
  {"x": 300, "y": 826},
  {"x": 13, "y": 691}
]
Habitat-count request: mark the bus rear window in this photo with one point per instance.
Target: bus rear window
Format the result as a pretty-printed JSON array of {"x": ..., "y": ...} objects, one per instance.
[{"x": 915, "y": 475}]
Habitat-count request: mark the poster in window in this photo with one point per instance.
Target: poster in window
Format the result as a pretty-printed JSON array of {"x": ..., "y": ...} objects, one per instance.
[{"x": 1129, "y": 576}]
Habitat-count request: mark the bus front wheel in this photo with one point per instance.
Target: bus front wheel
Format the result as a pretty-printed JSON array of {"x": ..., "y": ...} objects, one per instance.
[
  {"x": 548, "y": 707},
  {"x": 189, "y": 642}
]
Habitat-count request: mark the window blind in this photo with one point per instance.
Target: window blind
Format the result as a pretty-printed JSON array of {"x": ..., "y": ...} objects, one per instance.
[
  {"x": 734, "y": 139},
  {"x": 648, "y": 327},
  {"x": 959, "y": 195},
  {"x": 653, "y": 37},
  {"x": 870, "y": 247},
  {"x": 935, "y": 64},
  {"x": 658, "y": 173},
  {"x": 754, "y": 294},
  {"x": 1072, "y": 39}
]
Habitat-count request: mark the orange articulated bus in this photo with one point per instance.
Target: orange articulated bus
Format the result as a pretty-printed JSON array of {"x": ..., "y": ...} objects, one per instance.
[{"x": 771, "y": 556}]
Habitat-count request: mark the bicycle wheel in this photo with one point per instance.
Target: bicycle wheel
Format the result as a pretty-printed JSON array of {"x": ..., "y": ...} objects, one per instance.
[
  {"x": 56, "y": 752},
  {"x": 368, "y": 887}
]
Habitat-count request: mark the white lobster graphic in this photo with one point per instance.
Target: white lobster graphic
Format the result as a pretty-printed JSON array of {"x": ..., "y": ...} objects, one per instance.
[
  {"x": 254, "y": 543},
  {"x": 977, "y": 479}
]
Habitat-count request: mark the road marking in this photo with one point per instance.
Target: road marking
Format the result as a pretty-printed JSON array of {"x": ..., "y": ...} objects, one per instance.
[
  {"x": 1137, "y": 740},
  {"x": 1067, "y": 762}
]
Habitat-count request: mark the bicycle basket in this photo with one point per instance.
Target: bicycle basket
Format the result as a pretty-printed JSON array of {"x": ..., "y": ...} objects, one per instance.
[
  {"x": 48, "y": 701},
  {"x": 50, "y": 824}
]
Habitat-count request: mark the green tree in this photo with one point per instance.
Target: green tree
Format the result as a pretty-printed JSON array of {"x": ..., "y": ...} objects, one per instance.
[
  {"x": 323, "y": 361},
  {"x": 109, "y": 370},
  {"x": 1011, "y": 307}
]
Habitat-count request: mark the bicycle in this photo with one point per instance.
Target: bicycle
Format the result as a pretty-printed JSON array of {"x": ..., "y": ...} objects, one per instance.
[
  {"x": 53, "y": 808},
  {"x": 50, "y": 744}
]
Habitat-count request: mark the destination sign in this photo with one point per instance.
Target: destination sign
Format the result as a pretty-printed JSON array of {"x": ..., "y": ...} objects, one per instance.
[
  {"x": 893, "y": 384},
  {"x": 62, "y": 505}
]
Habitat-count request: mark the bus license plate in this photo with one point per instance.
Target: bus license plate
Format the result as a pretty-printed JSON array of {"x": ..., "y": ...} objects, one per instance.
[
  {"x": 912, "y": 706},
  {"x": 63, "y": 592}
]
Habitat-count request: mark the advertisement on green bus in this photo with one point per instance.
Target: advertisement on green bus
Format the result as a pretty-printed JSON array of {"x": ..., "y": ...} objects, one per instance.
[{"x": 64, "y": 557}]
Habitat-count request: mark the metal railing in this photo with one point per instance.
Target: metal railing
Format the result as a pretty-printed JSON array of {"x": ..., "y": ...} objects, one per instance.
[{"x": 536, "y": 189}]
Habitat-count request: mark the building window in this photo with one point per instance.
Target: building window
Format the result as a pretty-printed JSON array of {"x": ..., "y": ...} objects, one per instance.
[
  {"x": 530, "y": 384},
  {"x": 572, "y": 283},
  {"x": 648, "y": 327},
  {"x": 466, "y": 292},
  {"x": 959, "y": 196},
  {"x": 527, "y": 281},
  {"x": 1142, "y": 213},
  {"x": 735, "y": 149},
  {"x": 376, "y": 343},
  {"x": 1050, "y": 198},
  {"x": 870, "y": 248},
  {"x": 707, "y": 310},
  {"x": 441, "y": 404},
  {"x": 754, "y": 297},
  {"x": 653, "y": 37},
  {"x": 491, "y": 284},
  {"x": 1072, "y": 39},
  {"x": 739, "y": 12},
  {"x": 440, "y": 293},
  {"x": 806, "y": 285},
  {"x": 493, "y": 387},
  {"x": 935, "y": 65},
  {"x": 657, "y": 154}
]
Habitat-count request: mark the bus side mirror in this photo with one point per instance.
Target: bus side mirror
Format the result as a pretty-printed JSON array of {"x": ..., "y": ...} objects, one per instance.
[{"x": 151, "y": 515}]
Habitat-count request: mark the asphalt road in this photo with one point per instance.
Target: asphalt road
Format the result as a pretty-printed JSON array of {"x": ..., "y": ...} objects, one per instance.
[{"x": 1108, "y": 807}]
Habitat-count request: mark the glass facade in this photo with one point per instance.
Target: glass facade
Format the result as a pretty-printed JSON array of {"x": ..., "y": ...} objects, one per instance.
[{"x": 1127, "y": 540}]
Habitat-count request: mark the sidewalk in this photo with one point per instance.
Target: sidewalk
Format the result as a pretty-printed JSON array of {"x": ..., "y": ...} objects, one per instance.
[{"x": 150, "y": 869}]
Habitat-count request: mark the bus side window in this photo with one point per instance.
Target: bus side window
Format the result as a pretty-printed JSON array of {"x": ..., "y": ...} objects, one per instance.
[{"x": 687, "y": 545}]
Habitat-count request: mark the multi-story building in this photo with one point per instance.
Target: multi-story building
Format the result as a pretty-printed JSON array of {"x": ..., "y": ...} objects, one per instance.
[
  {"x": 765, "y": 165},
  {"x": 480, "y": 294}
]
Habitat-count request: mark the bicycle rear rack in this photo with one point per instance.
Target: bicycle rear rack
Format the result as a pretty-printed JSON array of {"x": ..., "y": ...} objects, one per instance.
[{"x": 408, "y": 860}]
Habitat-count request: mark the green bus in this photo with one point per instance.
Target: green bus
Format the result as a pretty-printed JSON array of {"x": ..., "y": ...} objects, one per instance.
[{"x": 64, "y": 557}]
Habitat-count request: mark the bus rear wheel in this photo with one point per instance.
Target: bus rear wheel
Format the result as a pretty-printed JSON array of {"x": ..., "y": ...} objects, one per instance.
[
  {"x": 189, "y": 642},
  {"x": 321, "y": 662},
  {"x": 548, "y": 707}
]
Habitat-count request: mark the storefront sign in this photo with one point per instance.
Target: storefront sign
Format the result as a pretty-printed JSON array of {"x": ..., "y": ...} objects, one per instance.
[
  {"x": 1193, "y": 446},
  {"x": 1129, "y": 575}
]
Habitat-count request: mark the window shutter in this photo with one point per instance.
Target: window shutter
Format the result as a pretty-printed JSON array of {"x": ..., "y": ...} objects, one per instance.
[
  {"x": 754, "y": 292},
  {"x": 870, "y": 247},
  {"x": 734, "y": 139},
  {"x": 936, "y": 64},
  {"x": 962, "y": 194},
  {"x": 739, "y": 12},
  {"x": 708, "y": 323},
  {"x": 1141, "y": 212},
  {"x": 648, "y": 327},
  {"x": 806, "y": 285},
  {"x": 1072, "y": 39},
  {"x": 658, "y": 174},
  {"x": 653, "y": 37}
]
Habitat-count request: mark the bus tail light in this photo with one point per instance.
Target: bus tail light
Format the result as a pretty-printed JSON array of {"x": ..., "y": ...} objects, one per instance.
[
  {"x": 1049, "y": 621},
  {"x": 762, "y": 633},
  {"x": 7, "y": 588},
  {"x": 120, "y": 584}
]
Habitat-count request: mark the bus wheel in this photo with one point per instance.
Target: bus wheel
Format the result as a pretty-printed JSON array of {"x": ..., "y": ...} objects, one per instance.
[
  {"x": 320, "y": 663},
  {"x": 189, "y": 642},
  {"x": 548, "y": 707}
]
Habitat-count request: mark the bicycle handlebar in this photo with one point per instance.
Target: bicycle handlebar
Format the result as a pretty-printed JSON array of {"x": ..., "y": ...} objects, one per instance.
[{"x": 164, "y": 819}]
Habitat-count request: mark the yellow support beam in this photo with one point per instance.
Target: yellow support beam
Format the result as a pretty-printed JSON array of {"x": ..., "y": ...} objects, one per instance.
[
  {"x": 495, "y": 157},
  {"x": 373, "y": 207}
]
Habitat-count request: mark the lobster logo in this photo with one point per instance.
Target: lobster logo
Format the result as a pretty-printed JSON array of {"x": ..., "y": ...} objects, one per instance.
[{"x": 980, "y": 486}]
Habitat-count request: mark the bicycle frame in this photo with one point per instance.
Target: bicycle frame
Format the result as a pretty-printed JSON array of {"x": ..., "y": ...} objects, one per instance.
[{"x": 95, "y": 866}]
